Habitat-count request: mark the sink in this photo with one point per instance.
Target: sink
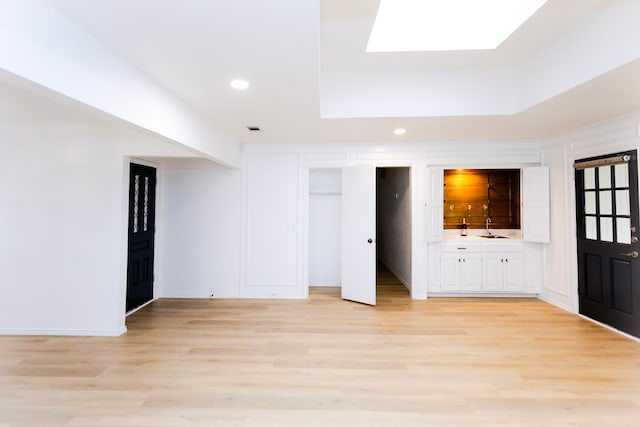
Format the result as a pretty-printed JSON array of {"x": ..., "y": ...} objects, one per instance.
[{"x": 492, "y": 236}]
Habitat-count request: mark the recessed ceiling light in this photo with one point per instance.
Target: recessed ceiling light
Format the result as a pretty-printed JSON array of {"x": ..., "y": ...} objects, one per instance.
[
  {"x": 239, "y": 84},
  {"x": 436, "y": 25},
  {"x": 399, "y": 131}
]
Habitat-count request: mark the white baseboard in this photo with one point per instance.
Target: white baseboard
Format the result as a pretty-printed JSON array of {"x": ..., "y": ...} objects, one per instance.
[
  {"x": 139, "y": 307},
  {"x": 610, "y": 328},
  {"x": 67, "y": 332},
  {"x": 433, "y": 294},
  {"x": 195, "y": 295},
  {"x": 554, "y": 302}
]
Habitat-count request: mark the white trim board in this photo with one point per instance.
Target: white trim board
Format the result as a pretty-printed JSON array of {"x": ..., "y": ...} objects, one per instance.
[
  {"x": 66, "y": 332},
  {"x": 610, "y": 328}
]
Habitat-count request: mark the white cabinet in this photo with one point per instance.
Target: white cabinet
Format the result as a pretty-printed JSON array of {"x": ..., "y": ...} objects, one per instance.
[
  {"x": 473, "y": 265},
  {"x": 470, "y": 268},
  {"x": 461, "y": 271},
  {"x": 477, "y": 267},
  {"x": 503, "y": 272}
]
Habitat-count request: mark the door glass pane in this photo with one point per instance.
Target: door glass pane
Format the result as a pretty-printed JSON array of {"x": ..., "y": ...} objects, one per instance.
[
  {"x": 590, "y": 202},
  {"x": 605, "y": 203},
  {"x": 136, "y": 198},
  {"x": 606, "y": 229},
  {"x": 145, "y": 212},
  {"x": 589, "y": 178},
  {"x": 591, "y": 229},
  {"x": 604, "y": 177},
  {"x": 622, "y": 175},
  {"x": 623, "y": 230},
  {"x": 622, "y": 202}
]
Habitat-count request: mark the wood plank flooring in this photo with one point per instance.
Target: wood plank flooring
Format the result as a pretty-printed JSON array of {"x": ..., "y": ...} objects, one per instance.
[{"x": 328, "y": 362}]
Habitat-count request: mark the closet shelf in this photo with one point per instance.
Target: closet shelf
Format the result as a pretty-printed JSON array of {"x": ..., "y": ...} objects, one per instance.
[{"x": 325, "y": 192}]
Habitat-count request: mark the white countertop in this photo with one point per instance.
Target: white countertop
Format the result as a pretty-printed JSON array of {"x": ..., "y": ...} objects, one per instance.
[{"x": 474, "y": 235}]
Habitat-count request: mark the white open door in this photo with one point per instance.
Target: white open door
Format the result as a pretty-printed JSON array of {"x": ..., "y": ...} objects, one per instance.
[{"x": 359, "y": 234}]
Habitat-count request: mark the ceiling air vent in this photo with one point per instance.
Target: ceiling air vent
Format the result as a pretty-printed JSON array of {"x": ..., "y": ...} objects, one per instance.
[{"x": 253, "y": 128}]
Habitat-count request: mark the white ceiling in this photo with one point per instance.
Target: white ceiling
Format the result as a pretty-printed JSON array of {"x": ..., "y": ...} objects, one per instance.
[
  {"x": 346, "y": 27},
  {"x": 285, "y": 47}
]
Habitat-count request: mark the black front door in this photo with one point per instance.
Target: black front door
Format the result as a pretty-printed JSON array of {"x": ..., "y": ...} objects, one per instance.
[
  {"x": 607, "y": 230},
  {"x": 142, "y": 203}
]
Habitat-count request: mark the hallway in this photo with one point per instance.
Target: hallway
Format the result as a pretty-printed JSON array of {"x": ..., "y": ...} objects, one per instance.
[{"x": 388, "y": 288}]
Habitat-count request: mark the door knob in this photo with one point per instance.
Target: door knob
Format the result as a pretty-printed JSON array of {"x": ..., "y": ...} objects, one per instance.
[
  {"x": 370, "y": 240},
  {"x": 632, "y": 254}
]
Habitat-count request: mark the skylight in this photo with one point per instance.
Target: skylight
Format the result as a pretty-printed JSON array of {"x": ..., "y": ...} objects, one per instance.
[{"x": 437, "y": 25}]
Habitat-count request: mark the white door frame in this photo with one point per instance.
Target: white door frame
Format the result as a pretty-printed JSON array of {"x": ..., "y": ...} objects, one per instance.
[{"x": 416, "y": 163}]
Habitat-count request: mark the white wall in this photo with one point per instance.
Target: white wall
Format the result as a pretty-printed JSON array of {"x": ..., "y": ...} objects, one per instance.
[
  {"x": 393, "y": 222},
  {"x": 272, "y": 264},
  {"x": 432, "y": 92},
  {"x": 558, "y": 285},
  {"x": 202, "y": 204},
  {"x": 561, "y": 282},
  {"x": 220, "y": 231},
  {"x": 63, "y": 227},
  {"x": 276, "y": 204},
  {"x": 325, "y": 227}
]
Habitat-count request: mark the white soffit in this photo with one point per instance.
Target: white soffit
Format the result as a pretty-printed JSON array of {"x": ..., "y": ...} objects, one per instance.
[
  {"x": 565, "y": 44},
  {"x": 441, "y": 25}
]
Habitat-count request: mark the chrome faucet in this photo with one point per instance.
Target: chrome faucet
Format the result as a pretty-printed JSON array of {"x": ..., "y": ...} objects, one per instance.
[{"x": 486, "y": 225}]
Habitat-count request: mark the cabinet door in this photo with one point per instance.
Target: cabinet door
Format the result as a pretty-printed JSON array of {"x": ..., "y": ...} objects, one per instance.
[
  {"x": 513, "y": 273},
  {"x": 493, "y": 269},
  {"x": 435, "y": 213},
  {"x": 535, "y": 204},
  {"x": 450, "y": 272},
  {"x": 471, "y": 272}
]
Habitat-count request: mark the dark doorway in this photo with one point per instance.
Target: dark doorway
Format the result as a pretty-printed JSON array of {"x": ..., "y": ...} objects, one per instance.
[
  {"x": 142, "y": 204},
  {"x": 607, "y": 224},
  {"x": 394, "y": 227}
]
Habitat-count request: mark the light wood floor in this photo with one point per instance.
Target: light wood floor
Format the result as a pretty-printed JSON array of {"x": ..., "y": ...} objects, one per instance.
[{"x": 328, "y": 362}]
